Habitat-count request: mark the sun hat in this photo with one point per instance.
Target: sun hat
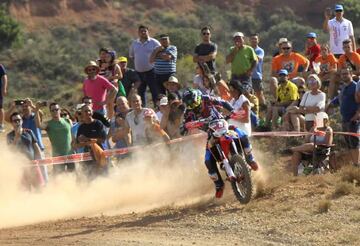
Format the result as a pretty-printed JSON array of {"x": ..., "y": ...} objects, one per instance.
[
  {"x": 172, "y": 79},
  {"x": 92, "y": 64}
]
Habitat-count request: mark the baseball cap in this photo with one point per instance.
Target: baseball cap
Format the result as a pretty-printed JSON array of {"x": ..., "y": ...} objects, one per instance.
[
  {"x": 338, "y": 7},
  {"x": 173, "y": 79},
  {"x": 238, "y": 34},
  {"x": 311, "y": 35},
  {"x": 163, "y": 101},
  {"x": 283, "y": 72},
  {"x": 122, "y": 59},
  {"x": 282, "y": 40}
]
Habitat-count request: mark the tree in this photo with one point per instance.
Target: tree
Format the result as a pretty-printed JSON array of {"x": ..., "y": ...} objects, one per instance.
[{"x": 10, "y": 30}]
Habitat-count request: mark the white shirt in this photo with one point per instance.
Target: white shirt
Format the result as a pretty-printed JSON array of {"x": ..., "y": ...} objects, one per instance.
[
  {"x": 141, "y": 53},
  {"x": 339, "y": 31},
  {"x": 310, "y": 100},
  {"x": 237, "y": 105},
  {"x": 137, "y": 126}
]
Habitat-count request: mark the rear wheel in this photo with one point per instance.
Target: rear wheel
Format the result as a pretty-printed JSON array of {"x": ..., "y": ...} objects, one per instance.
[{"x": 243, "y": 187}]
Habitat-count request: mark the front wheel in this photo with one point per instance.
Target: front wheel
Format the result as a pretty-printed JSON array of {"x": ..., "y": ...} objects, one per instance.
[{"x": 243, "y": 186}]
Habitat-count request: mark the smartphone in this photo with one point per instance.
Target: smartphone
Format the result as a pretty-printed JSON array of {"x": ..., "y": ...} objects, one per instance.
[
  {"x": 43, "y": 104},
  {"x": 328, "y": 11},
  {"x": 19, "y": 102}
]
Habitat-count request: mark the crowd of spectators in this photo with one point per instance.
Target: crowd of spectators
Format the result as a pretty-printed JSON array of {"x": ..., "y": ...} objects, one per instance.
[{"x": 115, "y": 113}]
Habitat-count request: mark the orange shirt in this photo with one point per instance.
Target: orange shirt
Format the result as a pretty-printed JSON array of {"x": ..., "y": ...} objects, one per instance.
[
  {"x": 353, "y": 57},
  {"x": 292, "y": 63},
  {"x": 326, "y": 63}
]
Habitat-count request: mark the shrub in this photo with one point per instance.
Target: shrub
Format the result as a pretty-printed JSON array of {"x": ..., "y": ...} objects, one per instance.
[
  {"x": 10, "y": 30},
  {"x": 324, "y": 206}
]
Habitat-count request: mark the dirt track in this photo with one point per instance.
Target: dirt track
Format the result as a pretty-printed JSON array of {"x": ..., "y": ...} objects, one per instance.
[{"x": 283, "y": 215}]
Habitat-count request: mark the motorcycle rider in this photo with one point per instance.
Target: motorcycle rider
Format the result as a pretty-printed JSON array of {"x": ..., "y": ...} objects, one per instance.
[{"x": 204, "y": 106}]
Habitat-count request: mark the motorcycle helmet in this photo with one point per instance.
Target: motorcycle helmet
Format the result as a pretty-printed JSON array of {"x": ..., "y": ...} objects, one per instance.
[{"x": 192, "y": 98}]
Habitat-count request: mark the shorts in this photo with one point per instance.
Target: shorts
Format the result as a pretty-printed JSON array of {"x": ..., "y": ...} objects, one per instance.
[
  {"x": 257, "y": 85},
  {"x": 352, "y": 142}
]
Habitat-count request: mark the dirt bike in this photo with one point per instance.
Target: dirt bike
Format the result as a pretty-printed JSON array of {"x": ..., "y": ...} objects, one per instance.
[{"x": 225, "y": 146}]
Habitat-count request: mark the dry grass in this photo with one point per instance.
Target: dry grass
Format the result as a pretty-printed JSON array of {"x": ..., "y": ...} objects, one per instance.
[
  {"x": 343, "y": 189},
  {"x": 351, "y": 175},
  {"x": 324, "y": 206}
]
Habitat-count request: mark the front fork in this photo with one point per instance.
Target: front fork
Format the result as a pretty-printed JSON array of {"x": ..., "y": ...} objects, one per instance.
[{"x": 224, "y": 160}]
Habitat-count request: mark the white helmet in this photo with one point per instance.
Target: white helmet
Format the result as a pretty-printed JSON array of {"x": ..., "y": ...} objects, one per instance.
[{"x": 219, "y": 127}]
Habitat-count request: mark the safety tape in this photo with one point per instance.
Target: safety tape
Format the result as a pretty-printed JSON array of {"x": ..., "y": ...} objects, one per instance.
[{"x": 80, "y": 157}]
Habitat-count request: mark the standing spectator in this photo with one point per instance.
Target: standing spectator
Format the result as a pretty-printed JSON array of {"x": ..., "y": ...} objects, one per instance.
[
  {"x": 242, "y": 58},
  {"x": 25, "y": 142},
  {"x": 135, "y": 121},
  {"x": 59, "y": 132},
  {"x": 349, "y": 59},
  {"x": 312, "y": 48},
  {"x": 350, "y": 114},
  {"x": 28, "y": 122},
  {"x": 206, "y": 51},
  {"x": 112, "y": 72},
  {"x": 286, "y": 96},
  {"x": 96, "y": 115},
  {"x": 339, "y": 29},
  {"x": 75, "y": 128},
  {"x": 295, "y": 64},
  {"x": 98, "y": 88},
  {"x": 328, "y": 68},
  {"x": 90, "y": 130},
  {"x": 3, "y": 93},
  {"x": 131, "y": 80},
  {"x": 164, "y": 59},
  {"x": 257, "y": 75},
  {"x": 279, "y": 43},
  {"x": 141, "y": 50}
]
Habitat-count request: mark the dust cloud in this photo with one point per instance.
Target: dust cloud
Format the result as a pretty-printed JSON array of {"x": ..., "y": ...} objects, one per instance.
[{"x": 151, "y": 179}]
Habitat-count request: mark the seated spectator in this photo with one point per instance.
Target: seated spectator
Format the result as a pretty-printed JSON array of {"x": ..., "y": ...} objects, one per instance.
[
  {"x": 312, "y": 102},
  {"x": 293, "y": 119},
  {"x": 131, "y": 80},
  {"x": 134, "y": 121},
  {"x": 286, "y": 95},
  {"x": 241, "y": 106},
  {"x": 312, "y": 48},
  {"x": 172, "y": 85},
  {"x": 350, "y": 59},
  {"x": 328, "y": 67},
  {"x": 24, "y": 141},
  {"x": 75, "y": 127},
  {"x": 90, "y": 130},
  {"x": 118, "y": 133},
  {"x": 96, "y": 115},
  {"x": 295, "y": 64},
  {"x": 153, "y": 132},
  {"x": 305, "y": 151},
  {"x": 122, "y": 106},
  {"x": 173, "y": 117},
  {"x": 161, "y": 104}
]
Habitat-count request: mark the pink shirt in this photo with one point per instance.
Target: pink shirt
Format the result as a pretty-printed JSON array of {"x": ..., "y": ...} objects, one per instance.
[{"x": 96, "y": 89}]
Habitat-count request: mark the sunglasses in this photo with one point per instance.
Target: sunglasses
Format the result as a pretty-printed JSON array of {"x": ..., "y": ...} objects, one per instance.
[
  {"x": 91, "y": 70},
  {"x": 206, "y": 33},
  {"x": 16, "y": 120},
  {"x": 63, "y": 115},
  {"x": 338, "y": 11},
  {"x": 55, "y": 109},
  {"x": 286, "y": 48}
]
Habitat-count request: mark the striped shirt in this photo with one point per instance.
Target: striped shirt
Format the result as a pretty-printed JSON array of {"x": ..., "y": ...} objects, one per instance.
[{"x": 166, "y": 67}]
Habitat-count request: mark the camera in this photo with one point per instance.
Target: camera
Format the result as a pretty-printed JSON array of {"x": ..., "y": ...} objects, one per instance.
[{"x": 19, "y": 102}]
